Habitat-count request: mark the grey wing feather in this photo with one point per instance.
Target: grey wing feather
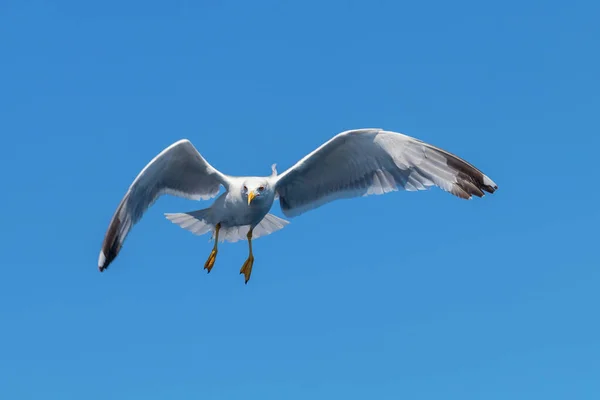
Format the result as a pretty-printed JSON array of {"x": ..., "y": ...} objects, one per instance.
[
  {"x": 373, "y": 161},
  {"x": 178, "y": 170}
]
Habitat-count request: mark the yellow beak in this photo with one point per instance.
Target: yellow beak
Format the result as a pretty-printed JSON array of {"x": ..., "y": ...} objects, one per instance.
[{"x": 251, "y": 197}]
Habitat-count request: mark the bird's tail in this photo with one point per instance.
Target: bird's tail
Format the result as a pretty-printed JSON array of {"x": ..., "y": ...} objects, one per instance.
[{"x": 198, "y": 222}]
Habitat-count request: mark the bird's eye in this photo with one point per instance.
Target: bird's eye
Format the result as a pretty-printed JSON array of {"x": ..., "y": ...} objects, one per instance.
[
  {"x": 245, "y": 188},
  {"x": 261, "y": 188}
]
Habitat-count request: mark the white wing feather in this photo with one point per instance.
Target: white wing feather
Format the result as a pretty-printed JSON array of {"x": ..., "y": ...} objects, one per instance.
[
  {"x": 178, "y": 170},
  {"x": 373, "y": 161}
]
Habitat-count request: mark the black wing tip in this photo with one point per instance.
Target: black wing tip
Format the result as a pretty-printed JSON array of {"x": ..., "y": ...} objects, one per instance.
[
  {"x": 473, "y": 185},
  {"x": 102, "y": 262},
  {"x": 488, "y": 185},
  {"x": 470, "y": 180},
  {"x": 109, "y": 252},
  {"x": 111, "y": 244},
  {"x": 105, "y": 260},
  {"x": 490, "y": 189}
]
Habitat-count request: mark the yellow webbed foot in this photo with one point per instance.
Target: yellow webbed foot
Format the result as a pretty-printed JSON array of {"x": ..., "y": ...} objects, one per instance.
[
  {"x": 211, "y": 260},
  {"x": 213, "y": 254},
  {"x": 247, "y": 268}
]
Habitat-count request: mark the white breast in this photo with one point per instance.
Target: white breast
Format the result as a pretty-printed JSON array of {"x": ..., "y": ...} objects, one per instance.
[{"x": 231, "y": 209}]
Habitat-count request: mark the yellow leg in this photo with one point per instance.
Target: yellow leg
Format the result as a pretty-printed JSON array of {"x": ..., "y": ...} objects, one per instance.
[
  {"x": 247, "y": 267},
  {"x": 213, "y": 254}
]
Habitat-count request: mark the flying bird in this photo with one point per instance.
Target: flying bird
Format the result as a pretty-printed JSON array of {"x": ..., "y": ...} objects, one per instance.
[{"x": 353, "y": 163}]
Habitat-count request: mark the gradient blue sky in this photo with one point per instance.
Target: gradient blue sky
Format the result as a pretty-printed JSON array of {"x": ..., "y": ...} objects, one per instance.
[{"x": 408, "y": 295}]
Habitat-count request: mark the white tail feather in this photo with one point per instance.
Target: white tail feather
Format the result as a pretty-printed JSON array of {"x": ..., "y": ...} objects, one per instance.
[{"x": 196, "y": 223}]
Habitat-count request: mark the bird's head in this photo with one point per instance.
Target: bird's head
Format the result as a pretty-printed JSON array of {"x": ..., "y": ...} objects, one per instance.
[{"x": 257, "y": 190}]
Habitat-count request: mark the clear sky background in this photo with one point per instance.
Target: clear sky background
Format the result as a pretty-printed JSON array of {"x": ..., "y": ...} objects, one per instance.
[{"x": 414, "y": 295}]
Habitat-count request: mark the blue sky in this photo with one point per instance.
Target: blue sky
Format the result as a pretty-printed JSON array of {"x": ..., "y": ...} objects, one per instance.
[{"x": 408, "y": 295}]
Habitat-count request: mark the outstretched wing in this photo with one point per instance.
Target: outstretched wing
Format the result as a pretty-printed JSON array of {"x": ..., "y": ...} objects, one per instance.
[
  {"x": 373, "y": 161},
  {"x": 178, "y": 170}
]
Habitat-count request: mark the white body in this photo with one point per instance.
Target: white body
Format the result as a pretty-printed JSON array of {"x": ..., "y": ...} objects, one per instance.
[{"x": 236, "y": 216}]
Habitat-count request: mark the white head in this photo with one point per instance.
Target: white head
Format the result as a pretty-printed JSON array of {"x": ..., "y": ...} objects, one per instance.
[{"x": 257, "y": 190}]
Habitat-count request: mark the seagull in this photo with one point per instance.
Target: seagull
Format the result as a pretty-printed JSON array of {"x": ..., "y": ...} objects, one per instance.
[{"x": 353, "y": 163}]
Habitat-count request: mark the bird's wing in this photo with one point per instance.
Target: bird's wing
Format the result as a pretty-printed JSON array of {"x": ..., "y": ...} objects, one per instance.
[
  {"x": 373, "y": 161},
  {"x": 178, "y": 170}
]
